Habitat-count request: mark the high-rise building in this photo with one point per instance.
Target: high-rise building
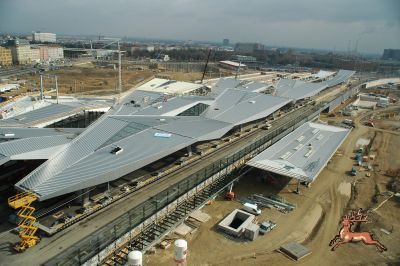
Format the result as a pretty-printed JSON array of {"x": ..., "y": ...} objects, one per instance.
[
  {"x": 248, "y": 47},
  {"x": 225, "y": 42},
  {"x": 41, "y": 37},
  {"x": 5, "y": 57},
  {"x": 20, "y": 51},
  {"x": 391, "y": 54}
]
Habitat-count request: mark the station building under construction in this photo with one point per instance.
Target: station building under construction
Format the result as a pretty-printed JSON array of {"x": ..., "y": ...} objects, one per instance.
[{"x": 148, "y": 127}]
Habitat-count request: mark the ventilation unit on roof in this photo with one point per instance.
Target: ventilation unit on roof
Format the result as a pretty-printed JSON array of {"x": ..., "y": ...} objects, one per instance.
[
  {"x": 315, "y": 131},
  {"x": 162, "y": 119},
  {"x": 298, "y": 147},
  {"x": 320, "y": 136},
  {"x": 299, "y": 139},
  {"x": 308, "y": 154},
  {"x": 252, "y": 102},
  {"x": 286, "y": 155},
  {"x": 116, "y": 150},
  {"x": 159, "y": 107}
]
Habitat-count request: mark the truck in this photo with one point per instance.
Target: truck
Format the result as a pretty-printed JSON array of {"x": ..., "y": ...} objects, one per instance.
[
  {"x": 266, "y": 226},
  {"x": 251, "y": 208}
]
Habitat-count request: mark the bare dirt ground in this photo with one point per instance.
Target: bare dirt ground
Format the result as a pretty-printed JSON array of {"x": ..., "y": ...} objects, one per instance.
[
  {"x": 316, "y": 219},
  {"x": 90, "y": 80}
]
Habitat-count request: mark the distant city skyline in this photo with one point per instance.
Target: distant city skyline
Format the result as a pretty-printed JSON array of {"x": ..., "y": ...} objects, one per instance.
[{"x": 329, "y": 25}]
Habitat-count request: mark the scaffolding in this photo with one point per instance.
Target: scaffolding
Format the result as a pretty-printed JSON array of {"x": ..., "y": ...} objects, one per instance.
[{"x": 26, "y": 225}]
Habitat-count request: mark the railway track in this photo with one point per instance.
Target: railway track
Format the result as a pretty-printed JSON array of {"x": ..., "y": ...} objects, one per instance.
[{"x": 146, "y": 181}]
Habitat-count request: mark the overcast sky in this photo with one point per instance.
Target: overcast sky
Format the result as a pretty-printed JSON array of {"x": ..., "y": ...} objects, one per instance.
[{"x": 292, "y": 23}]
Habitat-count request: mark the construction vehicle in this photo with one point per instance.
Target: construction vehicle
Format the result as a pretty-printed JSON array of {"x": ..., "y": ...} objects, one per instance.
[
  {"x": 230, "y": 195},
  {"x": 369, "y": 124},
  {"x": 26, "y": 225}
]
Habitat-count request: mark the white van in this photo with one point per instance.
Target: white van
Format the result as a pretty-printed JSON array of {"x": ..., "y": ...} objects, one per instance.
[{"x": 251, "y": 208}]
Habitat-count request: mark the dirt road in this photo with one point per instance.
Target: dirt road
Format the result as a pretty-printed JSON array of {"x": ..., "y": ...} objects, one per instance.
[{"x": 330, "y": 194}]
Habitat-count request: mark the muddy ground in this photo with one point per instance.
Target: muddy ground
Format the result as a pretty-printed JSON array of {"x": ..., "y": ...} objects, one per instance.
[{"x": 316, "y": 219}]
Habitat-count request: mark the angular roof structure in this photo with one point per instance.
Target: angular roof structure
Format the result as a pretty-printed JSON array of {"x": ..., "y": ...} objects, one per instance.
[
  {"x": 246, "y": 85},
  {"x": 303, "y": 153},
  {"x": 170, "y": 86},
  {"x": 297, "y": 89},
  {"x": 33, "y": 143},
  {"x": 145, "y": 126},
  {"x": 48, "y": 110}
]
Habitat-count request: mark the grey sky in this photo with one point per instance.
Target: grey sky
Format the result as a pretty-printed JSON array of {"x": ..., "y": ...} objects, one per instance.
[{"x": 298, "y": 23}]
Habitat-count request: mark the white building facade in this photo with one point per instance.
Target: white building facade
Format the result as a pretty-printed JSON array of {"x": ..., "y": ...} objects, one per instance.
[
  {"x": 21, "y": 54},
  {"x": 55, "y": 53},
  {"x": 44, "y": 37},
  {"x": 35, "y": 54}
]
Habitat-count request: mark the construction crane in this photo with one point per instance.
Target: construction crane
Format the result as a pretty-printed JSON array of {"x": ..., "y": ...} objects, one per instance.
[
  {"x": 26, "y": 225},
  {"x": 117, "y": 40},
  {"x": 205, "y": 67}
]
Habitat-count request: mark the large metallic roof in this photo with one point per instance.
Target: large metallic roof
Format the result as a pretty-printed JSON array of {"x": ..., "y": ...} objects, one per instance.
[
  {"x": 146, "y": 126},
  {"x": 33, "y": 143},
  {"x": 232, "y": 83},
  {"x": 170, "y": 86},
  {"x": 297, "y": 89},
  {"x": 48, "y": 110},
  {"x": 303, "y": 153}
]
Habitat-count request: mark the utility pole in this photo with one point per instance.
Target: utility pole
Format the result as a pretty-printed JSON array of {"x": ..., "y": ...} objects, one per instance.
[
  {"x": 238, "y": 70},
  {"x": 55, "y": 78},
  {"x": 119, "y": 72},
  {"x": 41, "y": 87}
]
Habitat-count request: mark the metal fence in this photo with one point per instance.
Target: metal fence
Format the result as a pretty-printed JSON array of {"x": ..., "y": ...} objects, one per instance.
[{"x": 102, "y": 238}]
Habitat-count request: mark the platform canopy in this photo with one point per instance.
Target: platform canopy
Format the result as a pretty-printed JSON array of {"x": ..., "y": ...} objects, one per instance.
[
  {"x": 303, "y": 153},
  {"x": 143, "y": 127}
]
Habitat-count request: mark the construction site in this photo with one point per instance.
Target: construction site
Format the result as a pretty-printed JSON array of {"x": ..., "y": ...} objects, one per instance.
[{"x": 194, "y": 166}]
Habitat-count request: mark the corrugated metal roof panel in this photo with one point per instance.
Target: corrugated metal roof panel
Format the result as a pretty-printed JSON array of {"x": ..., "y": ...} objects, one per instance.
[{"x": 284, "y": 157}]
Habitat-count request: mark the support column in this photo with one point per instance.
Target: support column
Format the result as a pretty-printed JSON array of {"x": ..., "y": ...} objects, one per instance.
[
  {"x": 189, "y": 150},
  {"x": 230, "y": 188},
  {"x": 56, "y": 88},
  {"x": 41, "y": 87},
  {"x": 83, "y": 197},
  {"x": 298, "y": 187}
]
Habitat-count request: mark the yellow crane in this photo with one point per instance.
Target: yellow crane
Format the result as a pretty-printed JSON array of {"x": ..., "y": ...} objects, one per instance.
[{"x": 26, "y": 225}]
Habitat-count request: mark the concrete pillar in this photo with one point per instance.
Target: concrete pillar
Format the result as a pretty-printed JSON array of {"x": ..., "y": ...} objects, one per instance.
[
  {"x": 298, "y": 187},
  {"x": 189, "y": 150},
  {"x": 83, "y": 197},
  {"x": 230, "y": 187}
]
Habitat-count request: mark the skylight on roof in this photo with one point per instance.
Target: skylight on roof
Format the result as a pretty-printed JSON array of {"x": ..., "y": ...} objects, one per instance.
[{"x": 8, "y": 134}]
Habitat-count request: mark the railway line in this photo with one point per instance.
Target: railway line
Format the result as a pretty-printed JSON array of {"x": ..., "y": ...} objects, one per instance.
[
  {"x": 96, "y": 223},
  {"x": 140, "y": 201}
]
